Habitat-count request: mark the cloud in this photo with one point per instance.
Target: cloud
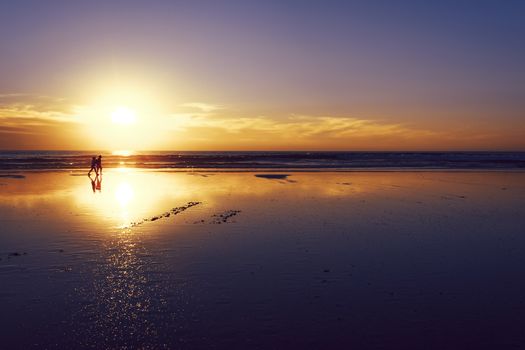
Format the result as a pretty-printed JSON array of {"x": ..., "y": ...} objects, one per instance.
[
  {"x": 296, "y": 126},
  {"x": 201, "y": 106},
  {"x": 213, "y": 131},
  {"x": 11, "y": 95},
  {"x": 37, "y": 122},
  {"x": 31, "y": 110}
]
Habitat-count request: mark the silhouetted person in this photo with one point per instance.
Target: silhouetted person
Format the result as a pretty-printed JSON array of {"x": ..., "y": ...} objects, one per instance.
[
  {"x": 93, "y": 166},
  {"x": 99, "y": 165}
]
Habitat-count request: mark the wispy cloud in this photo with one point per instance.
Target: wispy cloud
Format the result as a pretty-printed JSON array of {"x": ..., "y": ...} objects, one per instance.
[
  {"x": 328, "y": 132},
  {"x": 201, "y": 106},
  {"x": 23, "y": 109},
  {"x": 11, "y": 95},
  {"x": 297, "y": 126}
]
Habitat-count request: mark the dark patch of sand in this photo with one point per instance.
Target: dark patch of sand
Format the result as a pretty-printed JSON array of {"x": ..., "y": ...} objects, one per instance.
[
  {"x": 224, "y": 217},
  {"x": 15, "y": 254},
  {"x": 452, "y": 197},
  {"x": 273, "y": 176},
  {"x": 174, "y": 211},
  {"x": 199, "y": 174},
  {"x": 13, "y": 176}
]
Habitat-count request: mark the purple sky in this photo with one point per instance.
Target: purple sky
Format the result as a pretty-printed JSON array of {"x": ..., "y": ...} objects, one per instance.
[{"x": 451, "y": 69}]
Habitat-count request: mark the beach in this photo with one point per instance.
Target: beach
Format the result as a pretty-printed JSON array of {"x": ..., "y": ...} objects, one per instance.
[
  {"x": 209, "y": 259},
  {"x": 273, "y": 175}
]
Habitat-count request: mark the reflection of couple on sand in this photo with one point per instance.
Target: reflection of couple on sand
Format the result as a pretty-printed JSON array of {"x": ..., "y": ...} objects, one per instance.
[
  {"x": 96, "y": 183},
  {"x": 96, "y": 165}
]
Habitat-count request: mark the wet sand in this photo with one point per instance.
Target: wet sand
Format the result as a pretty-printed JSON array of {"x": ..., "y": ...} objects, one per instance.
[{"x": 361, "y": 260}]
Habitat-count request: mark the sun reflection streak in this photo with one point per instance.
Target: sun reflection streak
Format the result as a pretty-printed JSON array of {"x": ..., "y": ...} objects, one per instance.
[
  {"x": 124, "y": 296},
  {"x": 124, "y": 194}
]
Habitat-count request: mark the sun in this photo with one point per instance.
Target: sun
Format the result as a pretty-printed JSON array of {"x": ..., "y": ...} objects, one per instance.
[
  {"x": 124, "y": 119},
  {"x": 123, "y": 115}
]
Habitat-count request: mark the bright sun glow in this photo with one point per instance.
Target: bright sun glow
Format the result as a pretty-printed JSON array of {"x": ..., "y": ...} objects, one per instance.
[
  {"x": 124, "y": 194},
  {"x": 123, "y": 152},
  {"x": 124, "y": 118},
  {"x": 123, "y": 115}
]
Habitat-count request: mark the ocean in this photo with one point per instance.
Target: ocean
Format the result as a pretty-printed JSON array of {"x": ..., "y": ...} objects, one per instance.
[{"x": 56, "y": 160}]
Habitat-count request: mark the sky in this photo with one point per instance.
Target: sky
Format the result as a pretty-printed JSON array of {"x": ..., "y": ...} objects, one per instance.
[{"x": 262, "y": 75}]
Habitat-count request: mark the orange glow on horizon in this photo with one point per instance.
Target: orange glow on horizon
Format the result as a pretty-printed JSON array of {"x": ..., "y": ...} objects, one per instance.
[
  {"x": 123, "y": 152},
  {"x": 123, "y": 117}
]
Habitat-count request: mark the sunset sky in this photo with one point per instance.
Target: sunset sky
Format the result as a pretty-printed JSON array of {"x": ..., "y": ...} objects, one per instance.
[{"x": 262, "y": 75}]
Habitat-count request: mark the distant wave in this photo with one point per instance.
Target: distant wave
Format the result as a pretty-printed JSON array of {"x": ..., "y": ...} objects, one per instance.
[{"x": 49, "y": 160}]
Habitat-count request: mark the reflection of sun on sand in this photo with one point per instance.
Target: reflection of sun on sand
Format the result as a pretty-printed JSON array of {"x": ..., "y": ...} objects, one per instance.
[
  {"x": 130, "y": 195},
  {"x": 123, "y": 195},
  {"x": 147, "y": 193}
]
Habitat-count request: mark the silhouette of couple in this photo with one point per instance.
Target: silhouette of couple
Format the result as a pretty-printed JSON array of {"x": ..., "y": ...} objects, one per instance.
[{"x": 96, "y": 165}]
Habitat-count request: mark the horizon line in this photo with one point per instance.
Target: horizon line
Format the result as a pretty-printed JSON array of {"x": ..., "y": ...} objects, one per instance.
[{"x": 275, "y": 151}]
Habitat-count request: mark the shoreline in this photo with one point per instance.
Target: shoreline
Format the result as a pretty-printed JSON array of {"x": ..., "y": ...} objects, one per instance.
[
  {"x": 270, "y": 161},
  {"x": 268, "y": 170}
]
